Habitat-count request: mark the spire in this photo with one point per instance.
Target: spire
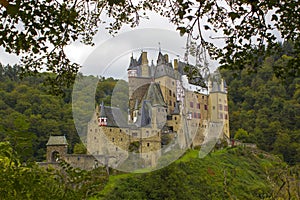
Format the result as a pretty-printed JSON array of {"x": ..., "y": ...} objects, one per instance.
[
  {"x": 102, "y": 111},
  {"x": 144, "y": 119},
  {"x": 159, "y": 48},
  {"x": 133, "y": 63},
  {"x": 154, "y": 95},
  {"x": 152, "y": 63}
]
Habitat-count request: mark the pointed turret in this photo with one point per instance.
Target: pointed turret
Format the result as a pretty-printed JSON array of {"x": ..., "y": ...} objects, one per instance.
[
  {"x": 160, "y": 59},
  {"x": 102, "y": 117},
  {"x": 145, "y": 118},
  {"x": 154, "y": 95},
  {"x": 132, "y": 69}
]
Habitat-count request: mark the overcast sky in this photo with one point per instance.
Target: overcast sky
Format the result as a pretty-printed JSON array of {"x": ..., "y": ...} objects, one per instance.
[{"x": 111, "y": 55}]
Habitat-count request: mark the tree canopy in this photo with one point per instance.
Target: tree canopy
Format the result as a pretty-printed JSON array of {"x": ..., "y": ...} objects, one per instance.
[{"x": 248, "y": 29}]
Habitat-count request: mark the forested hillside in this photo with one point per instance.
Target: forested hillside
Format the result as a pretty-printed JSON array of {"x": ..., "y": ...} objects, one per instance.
[
  {"x": 266, "y": 110},
  {"x": 30, "y": 114},
  {"x": 231, "y": 173}
]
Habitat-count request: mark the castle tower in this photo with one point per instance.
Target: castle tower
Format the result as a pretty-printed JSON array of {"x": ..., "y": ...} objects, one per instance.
[
  {"x": 102, "y": 120},
  {"x": 143, "y": 62},
  {"x": 132, "y": 69},
  {"x": 57, "y": 147},
  {"x": 218, "y": 103},
  {"x": 158, "y": 106}
]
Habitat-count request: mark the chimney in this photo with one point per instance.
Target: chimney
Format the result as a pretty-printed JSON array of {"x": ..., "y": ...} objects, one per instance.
[
  {"x": 176, "y": 64},
  {"x": 166, "y": 58},
  {"x": 144, "y": 58}
]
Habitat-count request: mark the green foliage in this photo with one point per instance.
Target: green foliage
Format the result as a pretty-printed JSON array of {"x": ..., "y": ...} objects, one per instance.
[
  {"x": 33, "y": 182},
  {"x": 134, "y": 147},
  {"x": 236, "y": 173},
  {"x": 79, "y": 148},
  {"x": 267, "y": 108},
  {"x": 41, "y": 30},
  {"x": 241, "y": 134},
  {"x": 29, "y": 115}
]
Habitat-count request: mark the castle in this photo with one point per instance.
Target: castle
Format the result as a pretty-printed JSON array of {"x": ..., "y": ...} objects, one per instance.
[
  {"x": 163, "y": 106},
  {"x": 166, "y": 109}
]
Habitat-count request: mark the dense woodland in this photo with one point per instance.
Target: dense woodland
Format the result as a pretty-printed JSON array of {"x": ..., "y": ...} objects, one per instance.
[
  {"x": 263, "y": 110},
  {"x": 30, "y": 114}
]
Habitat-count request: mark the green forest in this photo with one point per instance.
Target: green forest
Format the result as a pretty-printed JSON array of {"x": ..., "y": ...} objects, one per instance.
[{"x": 264, "y": 110}]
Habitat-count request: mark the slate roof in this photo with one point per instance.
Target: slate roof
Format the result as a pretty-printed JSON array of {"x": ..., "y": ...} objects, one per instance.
[
  {"x": 160, "y": 59},
  {"x": 102, "y": 110},
  {"x": 154, "y": 95},
  {"x": 132, "y": 64},
  {"x": 57, "y": 140},
  {"x": 144, "y": 120},
  {"x": 115, "y": 117}
]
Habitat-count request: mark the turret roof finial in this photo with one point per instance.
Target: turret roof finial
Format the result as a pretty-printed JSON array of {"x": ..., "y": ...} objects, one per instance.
[{"x": 159, "y": 48}]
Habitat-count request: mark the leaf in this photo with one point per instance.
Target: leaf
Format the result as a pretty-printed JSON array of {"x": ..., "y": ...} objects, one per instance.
[
  {"x": 182, "y": 30},
  {"x": 233, "y": 15},
  {"x": 206, "y": 27}
]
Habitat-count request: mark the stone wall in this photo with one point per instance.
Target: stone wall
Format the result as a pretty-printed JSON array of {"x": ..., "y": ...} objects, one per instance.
[{"x": 59, "y": 150}]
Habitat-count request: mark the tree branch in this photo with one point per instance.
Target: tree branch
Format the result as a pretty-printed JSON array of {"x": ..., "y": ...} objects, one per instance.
[{"x": 4, "y": 3}]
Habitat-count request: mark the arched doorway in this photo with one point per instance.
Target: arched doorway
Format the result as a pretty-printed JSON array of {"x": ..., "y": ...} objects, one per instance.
[{"x": 54, "y": 156}]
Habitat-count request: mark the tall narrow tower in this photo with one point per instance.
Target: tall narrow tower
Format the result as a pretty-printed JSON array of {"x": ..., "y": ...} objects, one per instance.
[{"x": 102, "y": 117}]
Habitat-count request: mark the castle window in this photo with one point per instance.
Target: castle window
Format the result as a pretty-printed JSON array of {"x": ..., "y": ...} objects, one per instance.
[
  {"x": 226, "y": 117},
  {"x": 220, "y": 107},
  {"x": 170, "y": 92},
  {"x": 121, "y": 139},
  {"x": 116, "y": 148},
  {"x": 191, "y": 104},
  {"x": 225, "y": 108},
  {"x": 172, "y": 82},
  {"x": 120, "y": 130},
  {"x": 78, "y": 158},
  {"x": 148, "y": 144},
  {"x": 214, "y": 107},
  {"x": 220, "y": 115},
  {"x": 95, "y": 138},
  {"x": 110, "y": 129},
  {"x": 175, "y": 118},
  {"x": 202, "y": 97},
  {"x": 158, "y": 110},
  {"x": 134, "y": 134},
  {"x": 170, "y": 103},
  {"x": 199, "y": 115},
  {"x": 198, "y": 105},
  {"x": 174, "y": 104},
  {"x": 113, "y": 139},
  {"x": 195, "y": 115},
  {"x": 220, "y": 100},
  {"x": 205, "y": 107},
  {"x": 91, "y": 130}
]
